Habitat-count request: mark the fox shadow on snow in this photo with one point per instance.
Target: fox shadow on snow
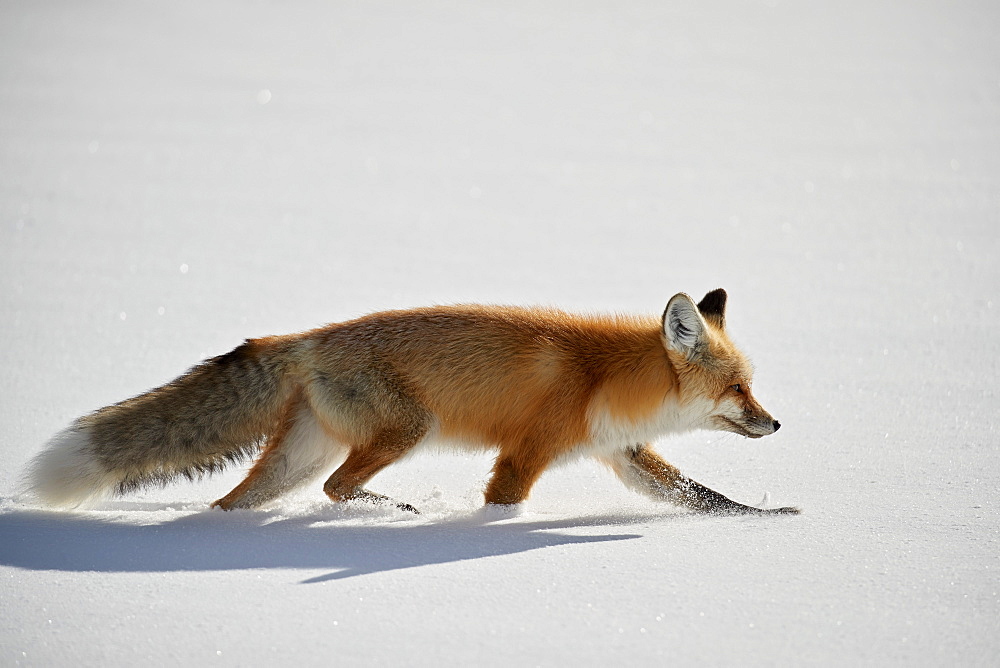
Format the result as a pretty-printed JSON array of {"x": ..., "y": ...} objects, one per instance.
[{"x": 42, "y": 540}]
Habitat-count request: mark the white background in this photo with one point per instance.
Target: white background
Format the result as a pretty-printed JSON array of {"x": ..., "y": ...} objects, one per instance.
[{"x": 176, "y": 177}]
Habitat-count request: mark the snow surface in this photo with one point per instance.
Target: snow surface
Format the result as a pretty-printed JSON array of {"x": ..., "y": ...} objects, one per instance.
[{"x": 179, "y": 176}]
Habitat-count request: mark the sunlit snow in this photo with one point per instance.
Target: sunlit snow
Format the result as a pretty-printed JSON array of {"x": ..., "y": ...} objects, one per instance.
[{"x": 177, "y": 177}]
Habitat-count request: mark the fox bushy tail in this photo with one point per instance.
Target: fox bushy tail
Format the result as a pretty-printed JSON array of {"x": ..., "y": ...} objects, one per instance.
[{"x": 215, "y": 414}]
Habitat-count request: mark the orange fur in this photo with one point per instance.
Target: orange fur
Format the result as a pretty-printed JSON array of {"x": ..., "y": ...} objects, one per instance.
[{"x": 533, "y": 385}]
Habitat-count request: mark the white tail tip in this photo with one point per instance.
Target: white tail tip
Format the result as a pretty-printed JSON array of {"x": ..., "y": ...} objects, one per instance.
[{"x": 67, "y": 474}]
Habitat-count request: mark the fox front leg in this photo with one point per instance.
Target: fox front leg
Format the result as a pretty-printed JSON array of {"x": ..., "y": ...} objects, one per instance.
[{"x": 644, "y": 471}]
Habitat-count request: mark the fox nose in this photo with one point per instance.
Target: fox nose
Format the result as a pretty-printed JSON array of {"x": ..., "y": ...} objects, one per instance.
[{"x": 776, "y": 425}]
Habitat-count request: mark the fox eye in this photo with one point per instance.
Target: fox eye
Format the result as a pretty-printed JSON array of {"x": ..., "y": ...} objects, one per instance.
[{"x": 737, "y": 388}]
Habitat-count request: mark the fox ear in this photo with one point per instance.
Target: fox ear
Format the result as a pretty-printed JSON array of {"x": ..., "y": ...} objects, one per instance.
[
  {"x": 713, "y": 307},
  {"x": 683, "y": 325}
]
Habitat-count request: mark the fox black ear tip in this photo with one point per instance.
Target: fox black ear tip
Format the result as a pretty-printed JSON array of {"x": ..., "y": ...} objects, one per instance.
[{"x": 714, "y": 303}]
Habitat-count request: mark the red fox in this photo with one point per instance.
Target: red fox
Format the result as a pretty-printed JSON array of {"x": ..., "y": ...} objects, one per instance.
[{"x": 537, "y": 386}]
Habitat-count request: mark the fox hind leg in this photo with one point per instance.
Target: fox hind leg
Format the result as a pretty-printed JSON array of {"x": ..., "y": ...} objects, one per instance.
[
  {"x": 299, "y": 451},
  {"x": 646, "y": 472},
  {"x": 381, "y": 499},
  {"x": 388, "y": 446}
]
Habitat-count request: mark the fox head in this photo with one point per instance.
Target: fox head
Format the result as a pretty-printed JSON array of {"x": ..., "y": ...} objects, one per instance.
[{"x": 714, "y": 376}]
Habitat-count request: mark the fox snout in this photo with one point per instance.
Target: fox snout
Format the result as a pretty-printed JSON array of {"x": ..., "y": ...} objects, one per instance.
[
  {"x": 756, "y": 420},
  {"x": 767, "y": 425},
  {"x": 770, "y": 422},
  {"x": 748, "y": 422}
]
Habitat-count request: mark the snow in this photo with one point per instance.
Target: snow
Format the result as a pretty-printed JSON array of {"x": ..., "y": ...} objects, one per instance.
[{"x": 178, "y": 177}]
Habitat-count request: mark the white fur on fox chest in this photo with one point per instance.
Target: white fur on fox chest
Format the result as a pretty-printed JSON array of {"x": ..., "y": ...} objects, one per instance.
[{"x": 609, "y": 434}]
